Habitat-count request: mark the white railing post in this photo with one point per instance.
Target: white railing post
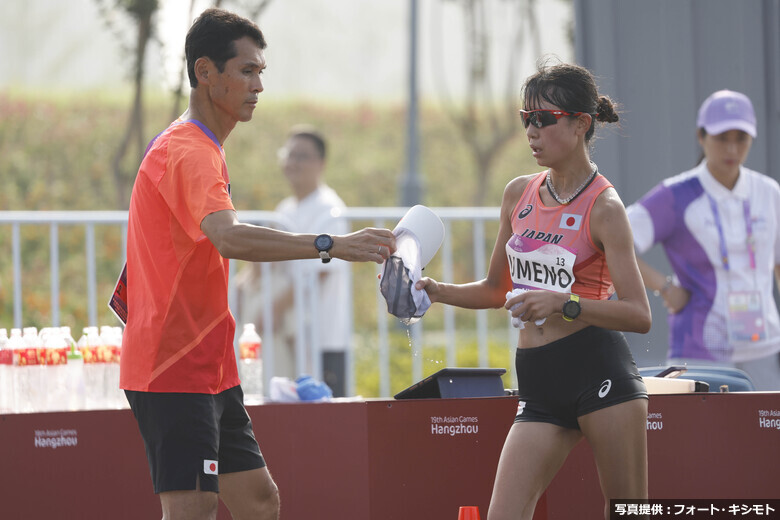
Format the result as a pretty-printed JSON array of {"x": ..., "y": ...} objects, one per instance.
[
  {"x": 54, "y": 265},
  {"x": 382, "y": 334},
  {"x": 349, "y": 356},
  {"x": 91, "y": 274},
  {"x": 269, "y": 352},
  {"x": 449, "y": 311},
  {"x": 479, "y": 273},
  {"x": 16, "y": 252}
]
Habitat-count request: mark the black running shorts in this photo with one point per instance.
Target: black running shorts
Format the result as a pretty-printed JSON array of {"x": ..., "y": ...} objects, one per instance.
[
  {"x": 191, "y": 439},
  {"x": 576, "y": 375}
]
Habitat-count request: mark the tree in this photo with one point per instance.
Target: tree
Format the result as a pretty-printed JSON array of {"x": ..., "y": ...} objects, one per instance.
[
  {"x": 141, "y": 12},
  {"x": 487, "y": 122}
]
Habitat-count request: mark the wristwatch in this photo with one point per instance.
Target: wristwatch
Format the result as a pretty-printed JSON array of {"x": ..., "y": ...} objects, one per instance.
[
  {"x": 323, "y": 243},
  {"x": 572, "y": 308}
]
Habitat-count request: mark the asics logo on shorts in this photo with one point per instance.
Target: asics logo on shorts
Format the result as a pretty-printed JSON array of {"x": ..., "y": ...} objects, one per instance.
[
  {"x": 605, "y": 388},
  {"x": 520, "y": 407}
]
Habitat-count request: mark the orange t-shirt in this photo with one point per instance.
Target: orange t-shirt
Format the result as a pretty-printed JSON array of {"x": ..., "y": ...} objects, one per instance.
[
  {"x": 551, "y": 247},
  {"x": 179, "y": 332}
]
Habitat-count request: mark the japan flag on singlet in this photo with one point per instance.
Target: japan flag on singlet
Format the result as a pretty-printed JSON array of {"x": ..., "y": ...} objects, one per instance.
[{"x": 570, "y": 221}]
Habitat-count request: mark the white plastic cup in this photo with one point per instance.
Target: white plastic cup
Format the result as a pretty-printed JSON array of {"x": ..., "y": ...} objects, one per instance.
[{"x": 427, "y": 227}]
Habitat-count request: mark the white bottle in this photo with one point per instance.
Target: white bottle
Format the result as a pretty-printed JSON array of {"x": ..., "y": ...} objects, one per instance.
[
  {"x": 94, "y": 369},
  {"x": 111, "y": 347},
  {"x": 75, "y": 369},
  {"x": 122, "y": 399},
  {"x": 37, "y": 369},
  {"x": 34, "y": 346},
  {"x": 25, "y": 368},
  {"x": 6, "y": 374},
  {"x": 56, "y": 397},
  {"x": 251, "y": 362}
]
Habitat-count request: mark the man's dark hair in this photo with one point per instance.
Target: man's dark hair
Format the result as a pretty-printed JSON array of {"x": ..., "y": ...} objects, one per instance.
[
  {"x": 213, "y": 34},
  {"x": 313, "y": 135}
]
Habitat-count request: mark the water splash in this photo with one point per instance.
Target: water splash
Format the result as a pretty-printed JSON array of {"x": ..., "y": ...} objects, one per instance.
[{"x": 416, "y": 351}]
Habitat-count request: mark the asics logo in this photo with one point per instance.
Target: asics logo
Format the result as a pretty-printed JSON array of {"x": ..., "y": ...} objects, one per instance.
[
  {"x": 605, "y": 388},
  {"x": 525, "y": 212}
]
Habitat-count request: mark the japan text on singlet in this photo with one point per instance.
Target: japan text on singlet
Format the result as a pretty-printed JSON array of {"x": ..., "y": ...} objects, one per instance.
[{"x": 551, "y": 247}]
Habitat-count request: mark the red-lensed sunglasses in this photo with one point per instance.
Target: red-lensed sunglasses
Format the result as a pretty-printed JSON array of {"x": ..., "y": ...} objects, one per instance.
[{"x": 541, "y": 118}]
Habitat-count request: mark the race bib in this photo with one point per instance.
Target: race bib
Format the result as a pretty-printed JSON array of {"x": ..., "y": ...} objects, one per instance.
[
  {"x": 534, "y": 264},
  {"x": 746, "y": 321}
]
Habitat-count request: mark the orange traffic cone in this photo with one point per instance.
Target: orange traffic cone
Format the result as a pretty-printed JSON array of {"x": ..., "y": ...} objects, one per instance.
[{"x": 468, "y": 513}]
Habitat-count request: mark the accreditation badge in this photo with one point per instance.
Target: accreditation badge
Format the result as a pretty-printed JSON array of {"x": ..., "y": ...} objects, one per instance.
[{"x": 746, "y": 321}]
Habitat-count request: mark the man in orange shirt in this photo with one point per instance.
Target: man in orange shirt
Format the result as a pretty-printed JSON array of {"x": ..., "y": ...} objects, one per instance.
[{"x": 178, "y": 367}]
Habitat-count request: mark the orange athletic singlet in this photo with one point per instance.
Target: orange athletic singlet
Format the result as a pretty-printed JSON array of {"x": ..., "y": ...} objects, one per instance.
[{"x": 551, "y": 247}]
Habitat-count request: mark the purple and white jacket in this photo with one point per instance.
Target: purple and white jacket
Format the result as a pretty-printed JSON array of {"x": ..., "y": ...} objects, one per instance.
[{"x": 680, "y": 214}]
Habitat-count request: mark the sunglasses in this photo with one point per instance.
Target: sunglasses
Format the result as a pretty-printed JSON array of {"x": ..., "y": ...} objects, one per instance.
[{"x": 541, "y": 118}]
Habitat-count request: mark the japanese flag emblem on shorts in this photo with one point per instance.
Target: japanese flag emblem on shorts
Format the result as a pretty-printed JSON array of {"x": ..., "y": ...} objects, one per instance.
[{"x": 210, "y": 467}]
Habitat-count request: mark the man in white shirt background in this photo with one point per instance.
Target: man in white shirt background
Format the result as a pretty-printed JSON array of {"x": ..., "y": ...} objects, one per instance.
[{"x": 317, "y": 306}]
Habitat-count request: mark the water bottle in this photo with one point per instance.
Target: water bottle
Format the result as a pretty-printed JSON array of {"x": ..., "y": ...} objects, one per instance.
[
  {"x": 56, "y": 374},
  {"x": 15, "y": 345},
  {"x": 94, "y": 368},
  {"x": 111, "y": 347},
  {"x": 6, "y": 374},
  {"x": 24, "y": 370},
  {"x": 35, "y": 400},
  {"x": 251, "y": 362},
  {"x": 121, "y": 398},
  {"x": 34, "y": 346},
  {"x": 76, "y": 395}
]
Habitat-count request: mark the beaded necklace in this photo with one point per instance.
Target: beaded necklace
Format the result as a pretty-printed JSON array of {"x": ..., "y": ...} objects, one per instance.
[{"x": 567, "y": 200}]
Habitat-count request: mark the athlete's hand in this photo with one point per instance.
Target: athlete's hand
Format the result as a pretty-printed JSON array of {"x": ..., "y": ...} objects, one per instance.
[
  {"x": 430, "y": 286},
  {"x": 535, "y": 304},
  {"x": 675, "y": 298},
  {"x": 366, "y": 245}
]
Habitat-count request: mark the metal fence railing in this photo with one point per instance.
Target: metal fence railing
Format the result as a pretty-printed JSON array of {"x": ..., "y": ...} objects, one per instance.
[{"x": 469, "y": 237}]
